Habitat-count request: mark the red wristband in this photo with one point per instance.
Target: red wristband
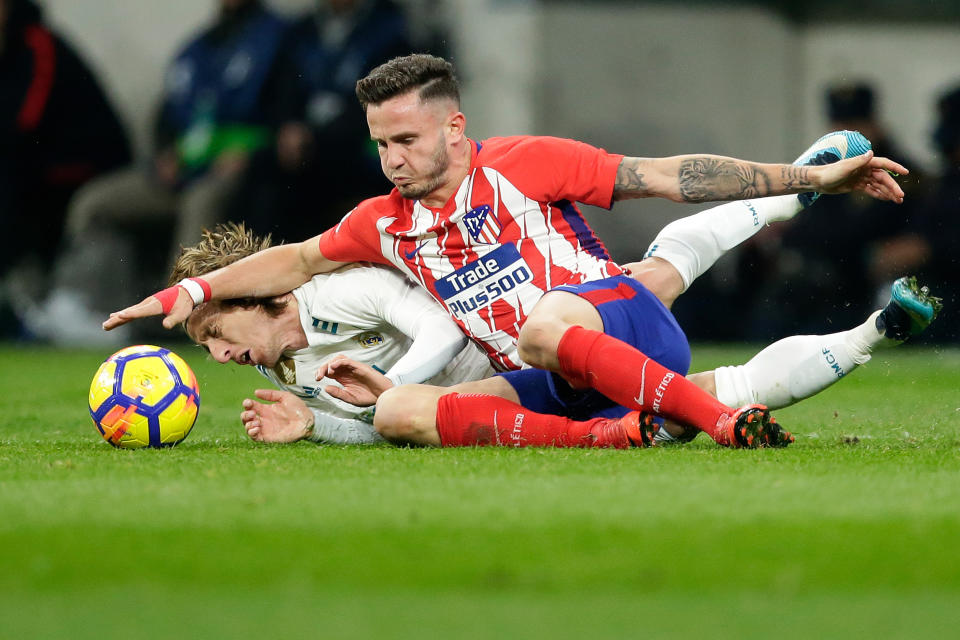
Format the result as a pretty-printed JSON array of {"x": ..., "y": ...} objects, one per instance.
[
  {"x": 168, "y": 297},
  {"x": 198, "y": 289},
  {"x": 207, "y": 293}
]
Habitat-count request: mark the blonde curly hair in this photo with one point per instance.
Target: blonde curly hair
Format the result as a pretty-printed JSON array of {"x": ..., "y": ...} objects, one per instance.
[{"x": 225, "y": 244}]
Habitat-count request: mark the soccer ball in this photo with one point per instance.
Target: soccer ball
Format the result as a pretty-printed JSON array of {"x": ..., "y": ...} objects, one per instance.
[{"x": 144, "y": 396}]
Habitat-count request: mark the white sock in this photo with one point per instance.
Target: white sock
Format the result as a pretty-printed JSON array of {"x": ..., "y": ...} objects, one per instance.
[
  {"x": 694, "y": 243},
  {"x": 798, "y": 367},
  {"x": 662, "y": 435}
]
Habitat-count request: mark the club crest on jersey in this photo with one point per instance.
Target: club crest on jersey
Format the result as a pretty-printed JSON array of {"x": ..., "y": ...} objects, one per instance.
[
  {"x": 369, "y": 339},
  {"x": 482, "y": 225}
]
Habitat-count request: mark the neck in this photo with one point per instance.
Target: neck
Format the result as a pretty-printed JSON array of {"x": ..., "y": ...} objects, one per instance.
[{"x": 459, "y": 167}]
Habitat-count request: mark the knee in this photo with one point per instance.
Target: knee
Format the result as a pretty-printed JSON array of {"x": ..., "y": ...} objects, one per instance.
[
  {"x": 660, "y": 277},
  {"x": 539, "y": 340},
  {"x": 407, "y": 414},
  {"x": 390, "y": 420}
]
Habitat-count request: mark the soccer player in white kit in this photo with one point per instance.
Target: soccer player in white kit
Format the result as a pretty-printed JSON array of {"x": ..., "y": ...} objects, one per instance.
[{"x": 368, "y": 314}]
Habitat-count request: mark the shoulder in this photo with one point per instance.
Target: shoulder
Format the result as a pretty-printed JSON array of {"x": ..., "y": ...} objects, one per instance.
[
  {"x": 389, "y": 205},
  {"x": 389, "y": 202},
  {"x": 362, "y": 271},
  {"x": 513, "y": 149},
  {"x": 355, "y": 281},
  {"x": 354, "y": 294}
]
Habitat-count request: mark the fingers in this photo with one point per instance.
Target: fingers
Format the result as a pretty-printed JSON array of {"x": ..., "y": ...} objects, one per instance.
[
  {"x": 867, "y": 174},
  {"x": 251, "y": 421},
  {"x": 881, "y": 185},
  {"x": 269, "y": 395},
  {"x": 861, "y": 160},
  {"x": 337, "y": 392},
  {"x": 116, "y": 319},
  {"x": 851, "y": 166},
  {"x": 337, "y": 364},
  {"x": 889, "y": 165},
  {"x": 149, "y": 306}
]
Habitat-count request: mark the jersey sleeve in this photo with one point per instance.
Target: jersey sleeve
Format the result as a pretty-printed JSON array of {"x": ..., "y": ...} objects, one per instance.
[
  {"x": 354, "y": 239},
  {"x": 331, "y": 429},
  {"x": 436, "y": 338},
  {"x": 555, "y": 169}
]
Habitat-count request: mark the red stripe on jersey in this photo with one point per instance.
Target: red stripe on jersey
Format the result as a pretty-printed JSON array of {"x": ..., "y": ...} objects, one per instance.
[{"x": 597, "y": 297}]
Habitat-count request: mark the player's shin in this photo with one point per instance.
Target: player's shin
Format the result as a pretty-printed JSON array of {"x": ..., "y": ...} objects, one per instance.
[
  {"x": 793, "y": 369},
  {"x": 469, "y": 419},
  {"x": 800, "y": 366},
  {"x": 632, "y": 379}
]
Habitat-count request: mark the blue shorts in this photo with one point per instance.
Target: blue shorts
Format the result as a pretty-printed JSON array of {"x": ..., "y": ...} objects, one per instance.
[{"x": 630, "y": 313}]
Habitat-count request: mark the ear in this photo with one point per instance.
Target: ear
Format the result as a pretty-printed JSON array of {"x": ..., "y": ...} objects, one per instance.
[{"x": 456, "y": 127}]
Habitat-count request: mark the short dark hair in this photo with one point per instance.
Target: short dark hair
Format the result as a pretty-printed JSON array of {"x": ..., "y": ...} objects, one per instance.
[{"x": 432, "y": 76}]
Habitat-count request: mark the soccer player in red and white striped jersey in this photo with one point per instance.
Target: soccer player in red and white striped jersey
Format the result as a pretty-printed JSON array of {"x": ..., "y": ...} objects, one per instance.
[{"x": 492, "y": 231}]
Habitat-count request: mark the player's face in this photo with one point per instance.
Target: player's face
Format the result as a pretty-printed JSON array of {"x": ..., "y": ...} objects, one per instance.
[
  {"x": 247, "y": 336},
  {"x": 412, "y": 139}
]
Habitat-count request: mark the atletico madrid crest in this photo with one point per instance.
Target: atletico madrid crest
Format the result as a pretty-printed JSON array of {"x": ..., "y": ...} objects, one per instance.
[{"x": 482, "y": 225}]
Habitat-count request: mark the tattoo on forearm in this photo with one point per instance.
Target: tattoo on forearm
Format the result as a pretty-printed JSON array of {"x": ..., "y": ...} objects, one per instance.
[
  {"x": 706, "y": 179},
  {"x": 629, "y": 180},
  {"x": 795, "y": 177}
]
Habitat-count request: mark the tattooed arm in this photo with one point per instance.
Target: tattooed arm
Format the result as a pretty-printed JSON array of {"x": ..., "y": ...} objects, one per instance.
[{"x": 704, "y": 178}]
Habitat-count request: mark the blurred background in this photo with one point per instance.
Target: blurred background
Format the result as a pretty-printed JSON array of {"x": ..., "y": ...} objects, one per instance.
[{"x": 129, "y": 126}]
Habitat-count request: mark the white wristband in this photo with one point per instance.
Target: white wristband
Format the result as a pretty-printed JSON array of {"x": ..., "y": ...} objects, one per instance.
[{"x": 194, "y": 289}]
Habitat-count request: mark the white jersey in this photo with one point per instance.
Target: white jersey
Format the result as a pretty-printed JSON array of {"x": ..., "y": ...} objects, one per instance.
[{"x": 370, "y": 314}]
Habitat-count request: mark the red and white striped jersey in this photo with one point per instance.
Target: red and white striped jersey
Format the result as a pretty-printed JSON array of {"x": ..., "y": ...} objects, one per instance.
[{"x": 509, "y": 234}]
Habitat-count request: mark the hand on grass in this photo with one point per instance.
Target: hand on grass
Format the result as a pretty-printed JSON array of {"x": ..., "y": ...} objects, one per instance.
[{"x": 285, "y": 419}]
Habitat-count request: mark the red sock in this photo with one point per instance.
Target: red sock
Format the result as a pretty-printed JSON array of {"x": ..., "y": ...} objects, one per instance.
[
  {"x": 630, "y": 378},
  {"x": 470, "y": 419}
]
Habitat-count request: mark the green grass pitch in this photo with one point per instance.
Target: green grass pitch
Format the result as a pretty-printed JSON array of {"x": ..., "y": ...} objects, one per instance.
[{"x": 852, "y": 532}]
